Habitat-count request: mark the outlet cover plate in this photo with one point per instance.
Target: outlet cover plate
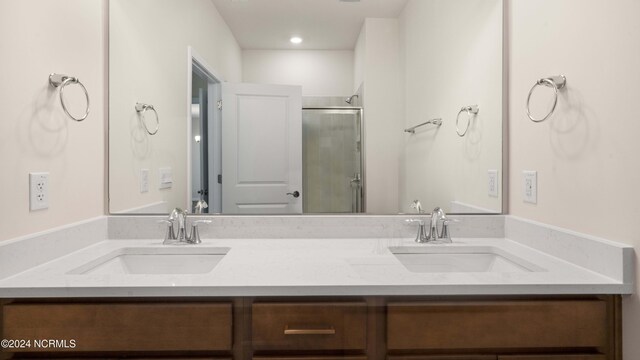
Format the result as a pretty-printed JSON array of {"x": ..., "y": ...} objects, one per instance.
[
  {"x": 530, "y": 187},
  {"x": 493, "y": 183},
  {"x": 165, "y": 176},
  {"x": 144, "y": 180},
  {"x": 38, "y": 191}
]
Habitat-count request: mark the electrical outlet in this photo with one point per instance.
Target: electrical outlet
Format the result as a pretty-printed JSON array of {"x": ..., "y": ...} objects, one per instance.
[
  {"x": 493, "y": 183},
  {"x": 144, "y": 180},
  {"x": 38, "y": 191},
  {"x": 530, "y": 193}
]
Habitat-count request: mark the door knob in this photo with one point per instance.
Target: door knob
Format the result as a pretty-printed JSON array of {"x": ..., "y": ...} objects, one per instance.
[{"x": 295, "y": 194}]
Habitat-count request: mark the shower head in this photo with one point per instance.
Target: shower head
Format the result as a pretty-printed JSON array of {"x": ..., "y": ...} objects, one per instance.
[{"x": 349, "y": 100}]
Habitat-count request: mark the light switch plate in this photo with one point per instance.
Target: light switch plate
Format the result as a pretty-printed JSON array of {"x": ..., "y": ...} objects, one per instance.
[
  {"x": 493, "y": 183},
  {"x": 166, "y": 178},
  {"x": 530, "y": 183},
  {"x": 144, "y": 180},
  {"x": 38, "y": 191}
]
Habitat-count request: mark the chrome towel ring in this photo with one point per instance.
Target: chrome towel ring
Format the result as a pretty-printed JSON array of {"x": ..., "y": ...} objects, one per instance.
[
  {"x": 471, "y": 110},
  {"x": 141, "y": 109},
  {"x": 61, "y": 81},
  {"x": 556, "y": 82}
]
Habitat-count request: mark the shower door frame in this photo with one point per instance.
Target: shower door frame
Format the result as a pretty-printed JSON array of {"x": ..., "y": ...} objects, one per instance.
[{"x": 363, "y": 155}]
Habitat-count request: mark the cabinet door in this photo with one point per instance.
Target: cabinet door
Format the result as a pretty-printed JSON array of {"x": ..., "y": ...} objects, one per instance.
[
  {"x": 553, "y": 357},
  {"x": 130, "y": 358},
  {"x": 497, "y": 325},
  {"x": 121, "y": 326},
  {"x": 443, "y": 357}
]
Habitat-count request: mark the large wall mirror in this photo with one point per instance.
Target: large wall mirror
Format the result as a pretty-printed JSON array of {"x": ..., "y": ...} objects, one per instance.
[{"x": 305, "y": 106}]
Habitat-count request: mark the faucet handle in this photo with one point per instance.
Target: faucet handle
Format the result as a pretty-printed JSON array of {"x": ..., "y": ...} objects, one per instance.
[
  {"x": 445, "y": 235},
  {"x": 420, "y": 236},
  {"x": 194, "y": 237},
  {"x": 170, "y": 235}
]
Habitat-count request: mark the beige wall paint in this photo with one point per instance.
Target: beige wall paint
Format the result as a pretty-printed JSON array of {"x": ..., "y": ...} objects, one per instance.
[
  {"x": 35, "y": 135},
  {"x": 378, "y": 60},
  {"x": 587, "y": 154},
  {"x": 452, "y": 57},
  {"x": 148, "y": 52},
  {"x": 319, "y": 72},
  {"x": 358, "y": 60}
]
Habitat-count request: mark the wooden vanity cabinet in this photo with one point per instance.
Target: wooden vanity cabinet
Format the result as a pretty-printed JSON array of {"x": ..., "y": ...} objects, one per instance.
[{"x": 366, "y": 328}]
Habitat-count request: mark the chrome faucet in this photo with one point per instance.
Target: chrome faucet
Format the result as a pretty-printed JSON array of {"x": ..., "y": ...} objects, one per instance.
[
  {"x": 433, "y": 236},
  {"x": 438, "y": 216},
  {"x": 417, "y": 206},
  {"x": 200, "y": 206},
  {"x": 182, "y": 237}
]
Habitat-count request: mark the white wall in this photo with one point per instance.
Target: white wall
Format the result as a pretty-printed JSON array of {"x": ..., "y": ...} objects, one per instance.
[
  {"x": 452, "y": 57},
  {"x": 320, "y": 72},
  {"x": 587, "y": 154},
  {"x": 358, "y": 61},
  {"x": 35, "y": 135},
  {"x": 379, "y": 64},
  {"x": 148, "y": 52}
]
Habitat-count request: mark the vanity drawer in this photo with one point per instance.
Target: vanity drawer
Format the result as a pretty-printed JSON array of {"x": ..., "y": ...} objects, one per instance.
[
  {"x": 122, "y": 327},
  {"x": 309, "y": 358},
  {"x": 443, "y": 357},
  {"x": 309, "y": 326},
  {"x": 497, "y": 325}
]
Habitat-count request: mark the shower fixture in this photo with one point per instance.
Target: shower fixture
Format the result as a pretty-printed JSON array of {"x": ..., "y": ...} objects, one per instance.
[{"x": 349, "y": 100}]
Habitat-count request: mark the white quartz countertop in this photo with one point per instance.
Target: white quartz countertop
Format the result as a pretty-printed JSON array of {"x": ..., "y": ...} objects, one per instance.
[{"x": 308, "y": 267}]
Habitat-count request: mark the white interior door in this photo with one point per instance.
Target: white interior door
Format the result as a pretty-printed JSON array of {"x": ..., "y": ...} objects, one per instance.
[{"x": 261, "y": 149}]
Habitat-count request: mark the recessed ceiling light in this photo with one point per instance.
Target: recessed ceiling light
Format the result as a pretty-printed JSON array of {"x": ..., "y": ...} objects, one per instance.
[{"x": 296, "y": 40}]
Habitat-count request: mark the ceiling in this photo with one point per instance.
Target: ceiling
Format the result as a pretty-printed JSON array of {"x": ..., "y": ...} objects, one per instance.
[{"x": 323, "y": 24}]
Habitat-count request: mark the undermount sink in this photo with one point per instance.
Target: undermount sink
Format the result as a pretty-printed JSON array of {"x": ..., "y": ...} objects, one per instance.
[
  {"x": 447, "y": 259},
  {"x": 169, "y": 260}
]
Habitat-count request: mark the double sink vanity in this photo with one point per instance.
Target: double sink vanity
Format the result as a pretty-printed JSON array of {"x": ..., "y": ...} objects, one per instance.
[
  {"x": 503, "y": 289},
  {"x": 203, "y": 259}
]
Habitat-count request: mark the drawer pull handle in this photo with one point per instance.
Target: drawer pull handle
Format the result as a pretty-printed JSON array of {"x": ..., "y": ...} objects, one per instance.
[{"x": 296, "y": 331}]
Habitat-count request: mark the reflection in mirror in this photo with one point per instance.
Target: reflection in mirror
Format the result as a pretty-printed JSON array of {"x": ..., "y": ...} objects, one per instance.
[{"x": 373, "y": 109}]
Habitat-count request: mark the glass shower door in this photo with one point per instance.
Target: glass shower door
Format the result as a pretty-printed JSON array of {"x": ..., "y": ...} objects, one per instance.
[{"x": 332, "y": 177}]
